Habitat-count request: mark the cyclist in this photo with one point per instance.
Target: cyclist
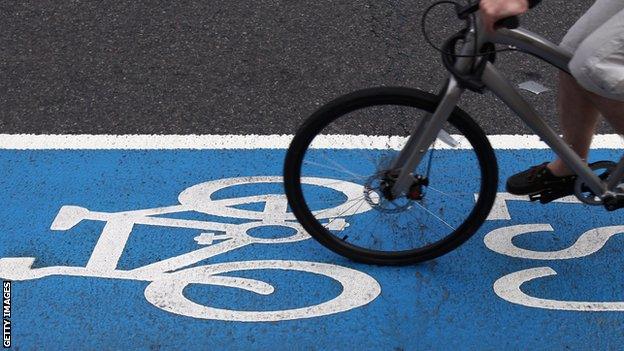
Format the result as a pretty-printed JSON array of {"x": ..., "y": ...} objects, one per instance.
[{"x": 595, "y": 88}]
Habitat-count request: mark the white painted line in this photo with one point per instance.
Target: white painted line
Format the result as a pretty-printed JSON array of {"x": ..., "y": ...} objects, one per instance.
[{"x": 231, "y": 142}]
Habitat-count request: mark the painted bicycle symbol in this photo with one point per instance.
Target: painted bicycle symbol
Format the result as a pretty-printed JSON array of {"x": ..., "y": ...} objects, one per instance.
[{"x": 168, "y": 278}]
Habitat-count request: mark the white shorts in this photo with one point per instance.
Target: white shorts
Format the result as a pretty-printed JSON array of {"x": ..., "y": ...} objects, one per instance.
[{"x": 597, "y": 41}]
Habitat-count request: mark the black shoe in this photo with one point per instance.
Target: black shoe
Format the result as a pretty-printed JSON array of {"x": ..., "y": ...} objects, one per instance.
[{"x": 539, "y": 182}]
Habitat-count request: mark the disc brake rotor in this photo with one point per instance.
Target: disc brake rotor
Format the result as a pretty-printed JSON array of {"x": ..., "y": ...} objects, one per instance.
[{"x": 377, "y": 188}]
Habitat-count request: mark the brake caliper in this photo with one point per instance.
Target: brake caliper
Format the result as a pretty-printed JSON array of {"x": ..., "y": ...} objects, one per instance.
[{"x": 415, "y": 191}]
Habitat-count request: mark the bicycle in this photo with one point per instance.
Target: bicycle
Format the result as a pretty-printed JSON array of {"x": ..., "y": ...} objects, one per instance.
[{"x": 426, "y": 201}]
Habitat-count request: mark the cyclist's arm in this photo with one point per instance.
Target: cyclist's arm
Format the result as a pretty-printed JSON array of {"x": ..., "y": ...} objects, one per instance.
[{"x": 494, "y": 10}]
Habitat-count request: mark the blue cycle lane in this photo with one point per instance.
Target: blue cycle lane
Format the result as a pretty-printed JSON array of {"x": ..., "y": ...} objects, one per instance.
[{"x": 114, "y": 249}]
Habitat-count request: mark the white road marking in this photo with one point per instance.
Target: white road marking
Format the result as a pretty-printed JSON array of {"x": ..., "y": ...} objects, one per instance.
[
  {"x": 508, "y": 288},
  {"x": 500, "y": 211},
  {"x": 169, "y": 277},
  {"x": 207, "y": 142},
  {"x": 501, "y": 241}
]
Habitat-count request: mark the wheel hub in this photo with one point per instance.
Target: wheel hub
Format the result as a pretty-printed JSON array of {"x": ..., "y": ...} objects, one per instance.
[{"x": 378, "y": 192}]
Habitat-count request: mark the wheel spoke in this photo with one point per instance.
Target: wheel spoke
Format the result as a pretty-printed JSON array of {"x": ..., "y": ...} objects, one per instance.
[
  {"x": 341, "y": 131},
  {"x": 434, "y": 215},
  {"x": 331, "y": 208},
  {"x": 350, "y": 180},
  {"x": 339, "y": 169},
  {"x": 350, "y": 207},
  {"x": 360, "y": 221},
  {"x": 461, "y": 213}
]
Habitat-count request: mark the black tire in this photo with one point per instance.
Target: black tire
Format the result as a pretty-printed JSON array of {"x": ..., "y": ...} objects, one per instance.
[{"x": 398, "y": 97}]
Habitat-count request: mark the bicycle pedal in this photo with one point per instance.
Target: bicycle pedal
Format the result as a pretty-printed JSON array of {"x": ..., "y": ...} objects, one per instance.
[
  {"x": 549, "y": 195},
  {"x": 613, "y": 203}
]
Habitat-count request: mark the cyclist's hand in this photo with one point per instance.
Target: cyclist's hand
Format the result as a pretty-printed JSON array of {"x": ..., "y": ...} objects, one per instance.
[{"x": 494, "y": 10}]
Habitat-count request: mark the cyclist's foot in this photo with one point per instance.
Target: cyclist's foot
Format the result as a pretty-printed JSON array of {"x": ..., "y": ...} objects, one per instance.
[{"x": 540, "y": 180}]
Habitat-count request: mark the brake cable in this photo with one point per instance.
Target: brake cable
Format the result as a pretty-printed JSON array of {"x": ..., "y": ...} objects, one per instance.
[{"x": 423, "y": 24}]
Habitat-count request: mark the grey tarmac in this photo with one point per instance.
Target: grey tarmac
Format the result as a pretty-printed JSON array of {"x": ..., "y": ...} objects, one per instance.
[{"x": 232, "y": 67}]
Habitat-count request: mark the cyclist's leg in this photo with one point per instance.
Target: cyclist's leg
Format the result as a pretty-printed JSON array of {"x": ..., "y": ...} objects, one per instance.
[
  {"x": 578, "y": 117},
  {"x": 598, "y": 35},
  {"x": 579, "y": 108}
]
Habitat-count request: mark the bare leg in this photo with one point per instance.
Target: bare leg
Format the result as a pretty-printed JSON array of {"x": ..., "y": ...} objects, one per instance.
[
  {"x": 578, "y": 117},
  {"x": 579, "y": 112},
  {"x": 611, "y": 110}
]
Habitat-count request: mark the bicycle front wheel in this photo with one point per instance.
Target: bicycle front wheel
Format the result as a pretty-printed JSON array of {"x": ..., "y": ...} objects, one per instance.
[{"x": 353, "y": 141}]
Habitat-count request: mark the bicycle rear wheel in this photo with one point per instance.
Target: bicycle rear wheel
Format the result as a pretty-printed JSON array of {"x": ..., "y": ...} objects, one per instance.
[{"x": 353, "y": 140}]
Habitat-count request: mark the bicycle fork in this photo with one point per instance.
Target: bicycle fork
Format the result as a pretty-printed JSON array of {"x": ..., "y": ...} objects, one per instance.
[{"x": 423, "y": 136}]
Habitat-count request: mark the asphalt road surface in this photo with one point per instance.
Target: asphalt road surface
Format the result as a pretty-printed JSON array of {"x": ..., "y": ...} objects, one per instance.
[
  {"x": 187, "y": 242},
  {"x": 231, "y": 67}
]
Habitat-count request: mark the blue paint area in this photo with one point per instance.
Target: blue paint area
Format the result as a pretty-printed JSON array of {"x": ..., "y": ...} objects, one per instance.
[
  {"x": 446, "y": 303},
  {"x": 453, "y": 180}
]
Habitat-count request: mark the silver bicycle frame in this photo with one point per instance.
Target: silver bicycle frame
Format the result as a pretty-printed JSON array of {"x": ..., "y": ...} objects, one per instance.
[{"x": 427, "y": 130}]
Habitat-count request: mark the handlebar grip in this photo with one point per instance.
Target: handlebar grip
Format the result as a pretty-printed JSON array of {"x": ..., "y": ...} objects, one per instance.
[
  {"x": 509, "y": 22},
  {"x": 514, "y": 21}
]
